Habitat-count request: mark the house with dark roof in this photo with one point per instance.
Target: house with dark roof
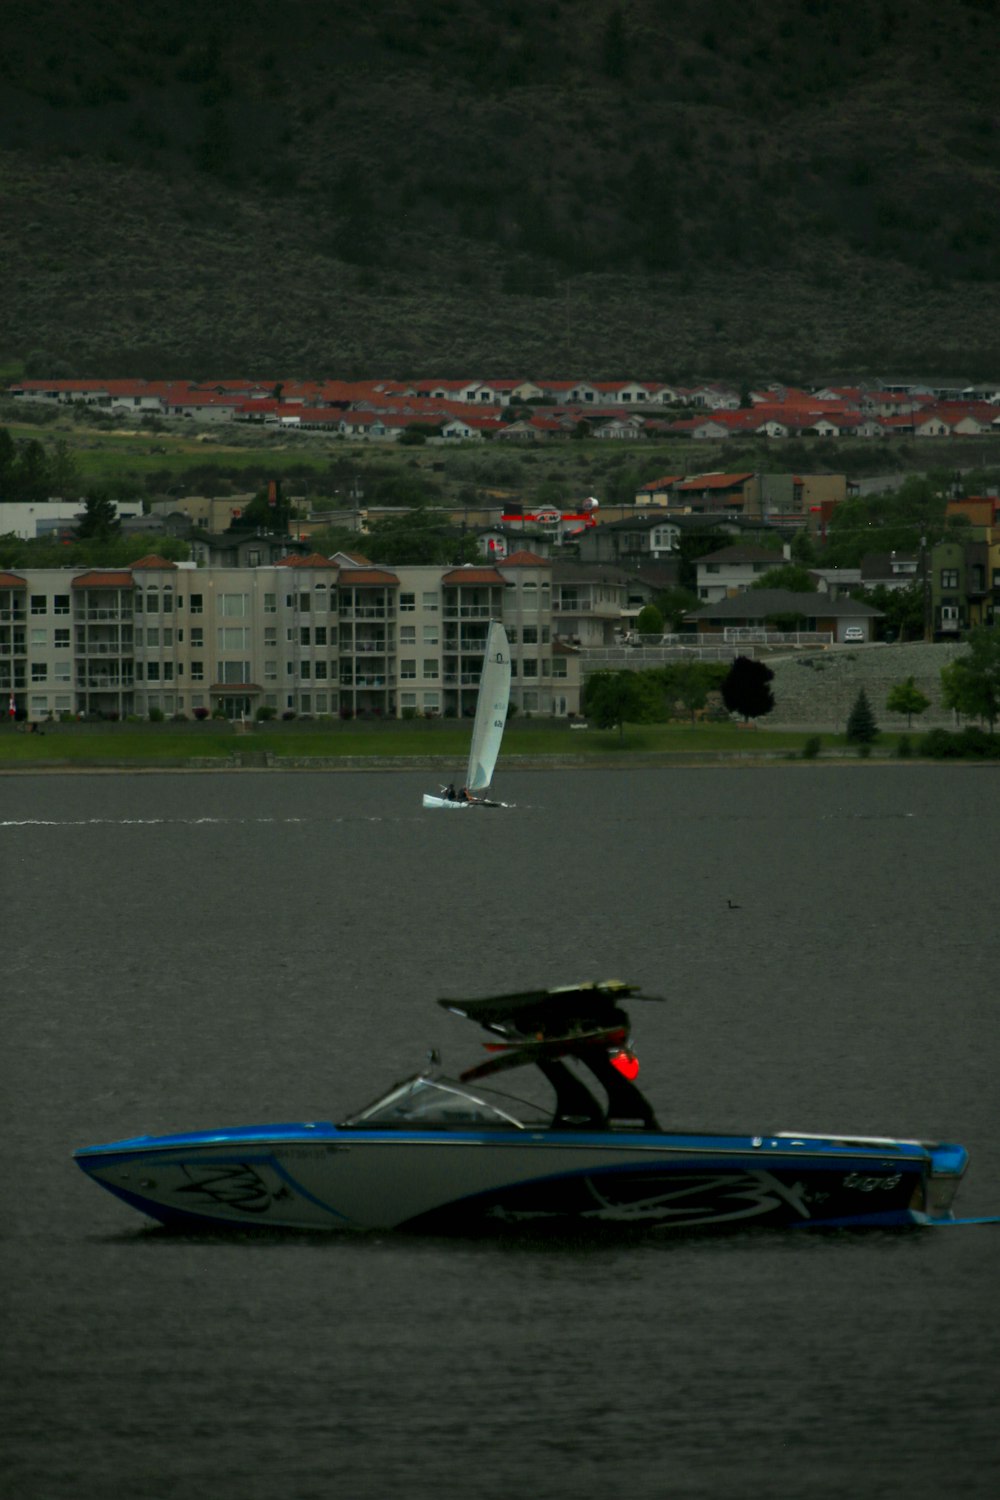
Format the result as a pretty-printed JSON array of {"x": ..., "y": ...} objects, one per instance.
[{"x": 757, "y": 609}]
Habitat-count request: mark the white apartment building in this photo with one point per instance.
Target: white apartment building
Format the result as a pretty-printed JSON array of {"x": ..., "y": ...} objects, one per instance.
[{"x": 306, "y": 635}]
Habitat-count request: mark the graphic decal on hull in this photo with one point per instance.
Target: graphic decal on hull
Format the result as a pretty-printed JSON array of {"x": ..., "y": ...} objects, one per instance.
[
  {"x": 718, "y": 1199},
  {"x": 238, "y": 1186}
]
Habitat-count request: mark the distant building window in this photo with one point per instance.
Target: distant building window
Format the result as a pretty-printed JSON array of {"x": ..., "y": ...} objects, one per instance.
[
  {"x": 270, "y": 604},
  {"x": 39, "y": 671},
  {"x": 407, "y": 668},
  {"x": 197, "y": 671},
  {"x": 949, "y": 578},
  {"x": 233, "y": 605},
  {"x": 60, "y": 604},
  {"x": 407, "y": 603},
  {"x": 431, "y": 670},
  {"x": 39, "y": 604},
  {"x": 430, "y": 600},
  {"x": 197, "y": 604}
]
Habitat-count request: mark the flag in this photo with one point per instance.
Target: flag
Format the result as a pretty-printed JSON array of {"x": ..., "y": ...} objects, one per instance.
[{"x": 12, "y": 706}]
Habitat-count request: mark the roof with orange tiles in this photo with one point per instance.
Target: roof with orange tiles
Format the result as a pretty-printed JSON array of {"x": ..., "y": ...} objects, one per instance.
[
  {"x": 361, "y": 576},
  {"x": 470, "y": 574},
  {"x": 153, "y": 561},
  {"x": 99, "y": 580},
  {"x": 11, "y": 581},
  {"x": 714, "y": 481},
  {"x": 524, "y": 559},
  {"x": 311, "y": 560}
]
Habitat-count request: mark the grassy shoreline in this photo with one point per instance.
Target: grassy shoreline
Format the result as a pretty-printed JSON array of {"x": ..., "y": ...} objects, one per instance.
[{"x": 333, "y": 745}]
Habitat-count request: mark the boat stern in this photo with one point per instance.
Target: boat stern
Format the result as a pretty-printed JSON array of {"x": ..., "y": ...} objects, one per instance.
[{"x": 932, "y": 1202}]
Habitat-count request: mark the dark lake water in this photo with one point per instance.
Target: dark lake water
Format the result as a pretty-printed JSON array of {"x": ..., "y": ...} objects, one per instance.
[{"x": 182, "y": 951}]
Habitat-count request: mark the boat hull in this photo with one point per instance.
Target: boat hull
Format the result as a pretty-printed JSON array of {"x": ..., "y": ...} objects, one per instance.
[
  {"x": 320, "y": 1177},
  {"x": 450, "y": 803}
]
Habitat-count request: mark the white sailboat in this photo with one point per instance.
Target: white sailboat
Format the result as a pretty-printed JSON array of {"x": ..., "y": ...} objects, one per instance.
[{"x": 488, "y": 728}]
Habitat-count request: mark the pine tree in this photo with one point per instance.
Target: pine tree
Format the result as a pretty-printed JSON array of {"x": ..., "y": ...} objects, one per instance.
[{"x": 861, "y": 726}]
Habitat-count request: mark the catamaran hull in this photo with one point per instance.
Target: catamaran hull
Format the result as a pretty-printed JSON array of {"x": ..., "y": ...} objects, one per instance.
[
  {"x": 322, "y": 1178},
  {"x": 453, "y": 804}
]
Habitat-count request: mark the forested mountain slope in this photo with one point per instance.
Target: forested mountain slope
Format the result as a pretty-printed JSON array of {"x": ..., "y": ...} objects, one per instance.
[{"x": 791, "y": 188}]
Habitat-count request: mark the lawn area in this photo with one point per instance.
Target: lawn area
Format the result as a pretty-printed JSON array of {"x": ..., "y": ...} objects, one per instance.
[{"x": 83, "y": 744}]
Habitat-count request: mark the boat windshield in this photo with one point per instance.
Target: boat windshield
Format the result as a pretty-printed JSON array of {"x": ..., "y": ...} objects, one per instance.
[{"x": 441, "y": 1104}]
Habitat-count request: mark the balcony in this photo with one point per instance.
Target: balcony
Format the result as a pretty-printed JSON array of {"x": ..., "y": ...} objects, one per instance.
[
  {"x": 103, "y": 648},
  {"x": 468, "y": 611}
]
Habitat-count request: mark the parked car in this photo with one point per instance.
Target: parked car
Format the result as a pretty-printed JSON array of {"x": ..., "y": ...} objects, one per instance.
[{"x": 854, "y": 633}]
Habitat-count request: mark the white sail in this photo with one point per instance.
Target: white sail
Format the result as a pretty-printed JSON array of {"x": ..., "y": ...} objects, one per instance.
[{"x": 491, "y": 709}]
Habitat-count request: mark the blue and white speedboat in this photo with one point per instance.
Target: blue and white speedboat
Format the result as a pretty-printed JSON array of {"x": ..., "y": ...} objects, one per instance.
[{"x": 443, "y": 1154}]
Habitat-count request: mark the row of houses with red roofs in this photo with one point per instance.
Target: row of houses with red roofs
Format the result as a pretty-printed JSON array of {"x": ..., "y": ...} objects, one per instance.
[{"x": 536, "y": 411}]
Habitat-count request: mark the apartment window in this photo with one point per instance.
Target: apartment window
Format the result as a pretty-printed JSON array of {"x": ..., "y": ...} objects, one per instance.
[
  {"x": 430, "y": 600},
  {"x": 39, "y": 637},
  {"x": 39, "y": 671},
  {"x": 153, "y": 635},
  {"x": 197, "y": 671},
  {"x": 152, "y": 671},
  {"x": 304, "y": 603},
  {"x": 168, "y": 601},
  {"x": 197, "y": 636},
  {"x": 270, "y": 635},
  {"x": 197, "y": 604},
  {"x": 233, "y": 637},
  {"x": 319, "y": 669},
  {"x": 431, "y": 671},
  {"x": 234, "y": 671},
  {"x": 530, "y": 636},
  {"x": 321, "y": 703},
  {"x": 305, "y": 670},
  {"x": 407, "y": 635},
  {"x": 253, "y": 557},
  {"x": 430, "y": 635},
  {"x": 714, "y": 568},
  {"x": 168, "y": 671},
  {"x": 432, "y": 703},
  {"x": 270, "y": 671},
  {"x": 407, "y": 603},
  {"x": 63, "y": 703},
  {"x": 39, "y": 604},
  {"x": 232, "y": 606},
  {"x": 407, "y": 700},
  {"x": 60, "y": 604},
  {"x": 140, "y": 671},
  {"x": 512, "y": 635},
  {"x": 152, "y": 601},
  {"x": 62, "y": 671},
  {"x": 168, "y": 635},
  {"x": 529, "y": 667},
  {"x": 530, "y": 702},
  {"x": 529, "y": 596},
  {"x": 559, "y": 666},
  {"x": 319, "y": 635},
  {"x": 949, "y": 578},
  {"x": 39, "y": 706},
  {"x": 304, "y": 635},
  {"x": 270, "y": 604},
  {"x": 140, "y": 603},
  {"x": 320, "y": 605},
  {"x": 407, "y": 668}
]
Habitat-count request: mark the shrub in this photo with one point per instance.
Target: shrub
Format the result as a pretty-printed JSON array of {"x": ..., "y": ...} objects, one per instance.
[
  {"x": 156, "y": 715},
  {"x": 940, "y": 745},
  {"x": 861, "y": 726},
  {"x": 409, "y": 713},
  {"x": 201, "y": 713},
  {"x": 288, "y": 714},
  {"x": 179, "y": 717},
  {"x": 811, "y": 748},
  {"x": 265, "y": 713}
]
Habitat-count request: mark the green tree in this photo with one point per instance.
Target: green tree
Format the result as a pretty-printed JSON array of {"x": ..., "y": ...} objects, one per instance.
[
  {"x": 609, "y": 698},
  {"x": 64, "y": 476},
  {"x": 30, "y": 479},
  {"x": 971, "y": 683},
  {"x": 902, "y": 609},
  {"x": 649, "y": 621},
  {"x": 906, "y": 698},
  {"x": 100, "y": 518},
  {"x": 861, "y": 726},
  {"x": 694, "y": 682},
  {"x": 674, "y": 604},
  {"x": 419, "y": 536},
  {"x": 787, "y": 576},
  {"x": 745, "y": 689}
]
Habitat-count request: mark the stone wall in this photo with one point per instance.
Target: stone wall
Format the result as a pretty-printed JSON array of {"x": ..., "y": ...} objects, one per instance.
[{"x": 817, "y": 689}]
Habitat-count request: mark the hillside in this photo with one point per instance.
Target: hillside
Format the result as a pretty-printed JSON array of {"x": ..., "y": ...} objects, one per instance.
[{"x": 795, "y": 189}]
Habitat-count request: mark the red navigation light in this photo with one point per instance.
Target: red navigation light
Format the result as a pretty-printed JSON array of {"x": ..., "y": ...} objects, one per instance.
[{"x": 627, "y": 1064}]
